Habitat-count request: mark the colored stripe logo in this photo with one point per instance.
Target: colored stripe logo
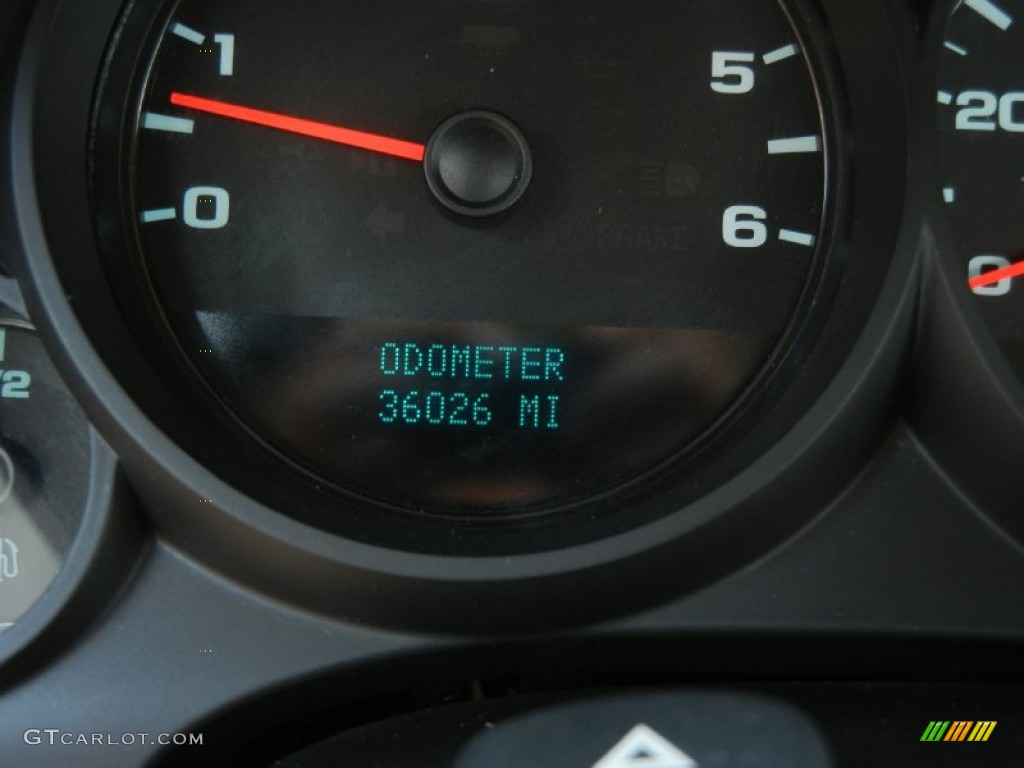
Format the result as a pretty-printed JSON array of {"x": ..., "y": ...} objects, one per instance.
[
  {"x": 958, "y": 730},
  {"x": 935, "y": 731}
]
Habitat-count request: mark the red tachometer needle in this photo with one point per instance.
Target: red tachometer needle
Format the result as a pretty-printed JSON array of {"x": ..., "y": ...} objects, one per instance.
[
  {"x": 997, "y": 275},
  {"x": 397, "y": 148}
]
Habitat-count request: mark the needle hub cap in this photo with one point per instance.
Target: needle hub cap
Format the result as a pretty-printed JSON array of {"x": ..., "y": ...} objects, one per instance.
[{"x": 478, "y": 163}]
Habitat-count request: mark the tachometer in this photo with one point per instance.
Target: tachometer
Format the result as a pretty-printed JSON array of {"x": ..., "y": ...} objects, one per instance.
[{"x": 475, "y": 258}]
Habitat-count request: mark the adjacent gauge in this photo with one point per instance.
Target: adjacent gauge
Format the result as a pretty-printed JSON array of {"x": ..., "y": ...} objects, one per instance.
[
  {"x": 44, "y": 470},
  {"x": 473, "y": 258},
  {"x": 981, "y": 146}
]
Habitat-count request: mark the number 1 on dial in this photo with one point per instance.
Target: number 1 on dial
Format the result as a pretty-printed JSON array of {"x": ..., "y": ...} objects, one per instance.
[{"x": 227, "y": 54}]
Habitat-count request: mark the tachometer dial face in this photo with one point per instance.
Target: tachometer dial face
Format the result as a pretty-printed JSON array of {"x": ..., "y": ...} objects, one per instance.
[
  {"x": 479, "y": 257},
  {"x": 981, "y": 122}
]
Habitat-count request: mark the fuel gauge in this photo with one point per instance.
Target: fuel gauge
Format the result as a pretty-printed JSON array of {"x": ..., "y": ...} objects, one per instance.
[{"x": 44, "y": 470}]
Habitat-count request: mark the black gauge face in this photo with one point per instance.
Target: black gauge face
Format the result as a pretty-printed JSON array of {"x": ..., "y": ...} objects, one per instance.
[
  {"x": 44, "y": 471},
  {"x": 981, "y": 122},
  {"x": 478, "y": 257}
]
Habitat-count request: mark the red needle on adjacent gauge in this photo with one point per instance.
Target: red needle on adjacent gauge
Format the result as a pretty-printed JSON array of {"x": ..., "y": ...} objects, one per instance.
[
  {"x": 997, "y": 275},
  {"x": 407, "y": 150}
]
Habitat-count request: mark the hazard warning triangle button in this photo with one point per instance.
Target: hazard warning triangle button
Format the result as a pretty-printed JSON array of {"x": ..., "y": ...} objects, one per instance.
[
  {"x": 644, "y": 747},
  {"x": 649, "y": 729}
]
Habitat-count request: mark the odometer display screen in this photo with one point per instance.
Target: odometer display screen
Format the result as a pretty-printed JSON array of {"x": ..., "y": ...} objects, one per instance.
[{"x": 478, "y": 257}]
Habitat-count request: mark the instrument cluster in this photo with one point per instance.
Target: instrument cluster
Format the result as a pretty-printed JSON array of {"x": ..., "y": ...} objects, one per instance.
[{"x": 410, "y": 327}]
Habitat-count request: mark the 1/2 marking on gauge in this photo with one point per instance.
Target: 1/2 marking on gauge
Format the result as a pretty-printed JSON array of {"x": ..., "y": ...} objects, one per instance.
[
  {"x": 795, "y": 145},
  {"x": 957, "y": 49}
]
